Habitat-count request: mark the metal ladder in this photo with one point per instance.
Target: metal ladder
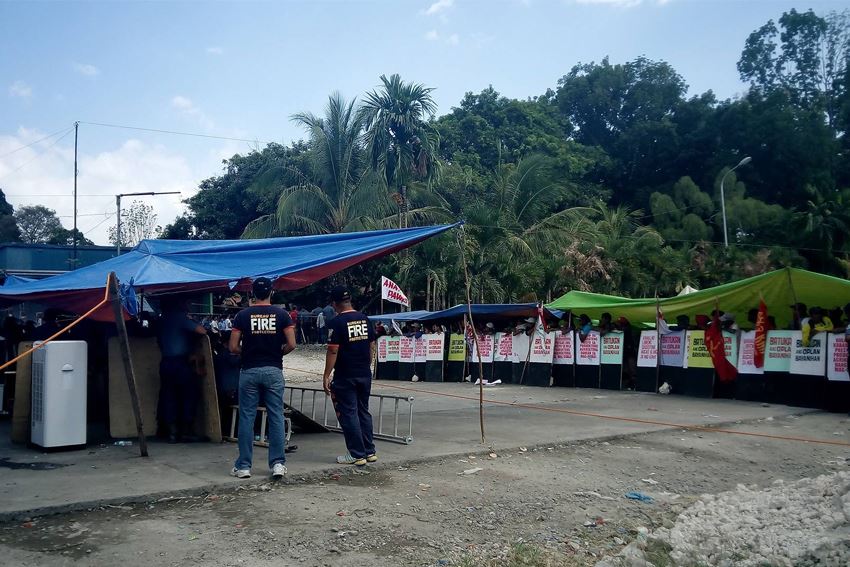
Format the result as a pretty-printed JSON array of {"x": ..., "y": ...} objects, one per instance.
[{"x": 305, "y": 404}]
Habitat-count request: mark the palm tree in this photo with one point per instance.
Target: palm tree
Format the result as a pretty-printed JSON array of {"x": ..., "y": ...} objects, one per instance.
[
  {"x": 521, "y": 224},
  {"x": 402, "y": 147},
  {"x": 339, "y": 193}
]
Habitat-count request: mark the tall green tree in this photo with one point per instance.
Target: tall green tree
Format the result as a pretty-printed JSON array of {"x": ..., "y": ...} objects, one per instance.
[
  {"x": 804, "y": 55},
  {"x": 402, "y": 145},
  {"x": 338, "y": 193},
  {"x": 9, "y": 231}
]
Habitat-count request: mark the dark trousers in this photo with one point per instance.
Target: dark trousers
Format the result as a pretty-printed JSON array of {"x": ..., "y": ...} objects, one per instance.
[
  {"x": 351, "y": 400},
  {"x": 178, "y": 392}
]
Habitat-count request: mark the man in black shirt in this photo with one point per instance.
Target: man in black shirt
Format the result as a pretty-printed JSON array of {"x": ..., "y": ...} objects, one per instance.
[
  {"x": 267, "y": 335},
  {"x": 350, "y": 342}
]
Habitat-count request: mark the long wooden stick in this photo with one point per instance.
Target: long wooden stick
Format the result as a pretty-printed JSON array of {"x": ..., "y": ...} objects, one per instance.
[
  {"x": 129, "y": 373},
  {"x": 474, "y": 337}
]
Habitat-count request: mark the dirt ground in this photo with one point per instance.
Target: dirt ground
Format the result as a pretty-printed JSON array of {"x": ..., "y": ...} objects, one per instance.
[{"x": 555, "y": 505}]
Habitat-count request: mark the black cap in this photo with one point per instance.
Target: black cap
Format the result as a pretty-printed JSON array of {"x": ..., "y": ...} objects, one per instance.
[
  {"x": 262, "y": 287},
  {"x": 340, "y": 293},
  {"x": 799, "y": 307}
]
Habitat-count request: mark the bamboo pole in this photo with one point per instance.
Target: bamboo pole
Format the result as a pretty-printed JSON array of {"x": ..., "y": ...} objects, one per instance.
[
  {"x": 129, "y": 373},
  {"x": 474, "y": 337}
]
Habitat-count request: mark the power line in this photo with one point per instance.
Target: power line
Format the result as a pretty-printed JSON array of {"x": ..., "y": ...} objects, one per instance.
[
  {"x": 107, "y": 216},
  {"x": 26, "y": 163},
  {"x": 177, "y": 133},
  {"x": 32, "y": 143}
]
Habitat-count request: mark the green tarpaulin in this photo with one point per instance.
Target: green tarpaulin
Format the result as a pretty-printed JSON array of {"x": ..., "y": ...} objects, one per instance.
[{"x": 780, "y": 289}]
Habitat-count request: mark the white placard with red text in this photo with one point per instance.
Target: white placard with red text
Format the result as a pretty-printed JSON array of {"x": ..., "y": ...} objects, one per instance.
[
  {"x": 648, "y": 349},
  {"x": 504, "y": 349},
  {"x": 587, "y": 350},
  {"x": 435, "y": 345},
  {"x": 746, "y": 354},
  {"x": 836, "y": 365},
  {"x": 406, "y": 350},
  {"x": 420, "y": 349},
  {"x": 485, "y": 347},
  {"x": 563, "y": 349},
  {"x": 542, "y": 348}
]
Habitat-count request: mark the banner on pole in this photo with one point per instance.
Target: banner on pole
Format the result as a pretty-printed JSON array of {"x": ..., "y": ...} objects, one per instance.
[
  {"x": 747, "y": 355},
  {"x": 587, "y": 351},
  {"x": 435, "y": 344},
  {"x": 563, "y": 349},
  {"x": 673, "y": 349},
  {"x": 392, "y": 292},
  {"x": 612, "y": 348},
  {"x": 836, "y": 367},
  {"x": 457, "y": 348},
  {"x": 780, "y": 346},
  {"x": 809, "y": 360},
  {"x": 648, "y": 349}
]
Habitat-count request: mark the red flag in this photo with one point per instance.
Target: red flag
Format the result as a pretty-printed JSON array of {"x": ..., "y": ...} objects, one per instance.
[
  {"x": 761, "y": 335},
  {"x": 717, "y": 349},
  {"x": 541, "y": 319}
]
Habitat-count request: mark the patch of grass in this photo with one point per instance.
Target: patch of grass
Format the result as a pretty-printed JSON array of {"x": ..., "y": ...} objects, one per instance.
[
  {"x": 520, "y": 555},
  {"x": 658, "y": 553}
]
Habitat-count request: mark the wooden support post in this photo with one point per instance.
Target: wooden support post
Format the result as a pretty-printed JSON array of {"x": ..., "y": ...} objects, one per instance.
[{"x": 129, "y": 373}]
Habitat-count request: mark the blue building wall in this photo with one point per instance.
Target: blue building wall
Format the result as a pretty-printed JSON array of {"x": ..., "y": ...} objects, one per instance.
[{"x": 32, "y": 259}]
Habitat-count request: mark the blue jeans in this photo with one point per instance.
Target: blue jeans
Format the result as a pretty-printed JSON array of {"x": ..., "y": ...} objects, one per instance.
[
  {"x": 268, "y": 380},
  {"x": 350, "y": 397}
]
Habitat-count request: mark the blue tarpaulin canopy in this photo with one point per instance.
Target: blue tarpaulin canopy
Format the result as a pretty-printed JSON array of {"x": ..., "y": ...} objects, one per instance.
[
  {"x": 485, "y": 310},
  {"x": 403, "y": 316},
  {"x": 172, "y": 266}
]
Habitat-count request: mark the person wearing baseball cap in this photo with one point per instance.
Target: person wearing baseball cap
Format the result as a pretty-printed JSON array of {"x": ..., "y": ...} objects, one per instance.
[
  {"x": 263, "y": 334},
  {"x": 351, "y": 340}
]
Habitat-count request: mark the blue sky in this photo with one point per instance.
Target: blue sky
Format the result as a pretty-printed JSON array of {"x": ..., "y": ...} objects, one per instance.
[{"x": 240, "y": 69}]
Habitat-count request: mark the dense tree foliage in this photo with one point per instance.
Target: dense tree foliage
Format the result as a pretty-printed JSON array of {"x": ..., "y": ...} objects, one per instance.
[{"x": 609, "y": 181}]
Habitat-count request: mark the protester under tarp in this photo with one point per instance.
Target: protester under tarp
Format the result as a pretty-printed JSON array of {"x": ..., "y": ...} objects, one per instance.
[
  {"x": 780, "y": 289},
  {"x": 175, "y": 266}
]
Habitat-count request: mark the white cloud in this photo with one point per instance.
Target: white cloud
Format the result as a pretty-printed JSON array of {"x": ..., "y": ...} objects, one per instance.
[
  {"x": 623, "y": 3},
  {"x": 214, "y": 50},
  {"x": 438, "y": 6},
  {"x": 434, "y": 35},
  {"x": 132, "y": 166},
  {"x": 86, "y": 69},
  {"x": 20, "y": 89},
  {"x": 187, "y": 107}
]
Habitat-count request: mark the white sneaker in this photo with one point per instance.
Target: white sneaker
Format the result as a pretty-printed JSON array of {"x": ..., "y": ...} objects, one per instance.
[
  {"x": 278, "y": 470},
  {"x": 240, "y": 473}
]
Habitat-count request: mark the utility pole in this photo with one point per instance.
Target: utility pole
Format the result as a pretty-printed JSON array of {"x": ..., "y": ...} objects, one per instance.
[
  {"x": 74, "y": 234},
  {"x": 118, "y": 212}
]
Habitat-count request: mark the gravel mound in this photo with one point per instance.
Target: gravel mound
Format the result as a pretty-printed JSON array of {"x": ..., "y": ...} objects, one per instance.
[{"x": 802, "y": 523}]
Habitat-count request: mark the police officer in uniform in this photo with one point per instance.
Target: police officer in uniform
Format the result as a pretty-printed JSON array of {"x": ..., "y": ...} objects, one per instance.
[{"x": 350, "y": 343}]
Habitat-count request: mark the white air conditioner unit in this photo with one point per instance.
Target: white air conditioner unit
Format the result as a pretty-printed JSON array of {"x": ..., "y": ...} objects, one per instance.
[{"x": 58, "y": 417}]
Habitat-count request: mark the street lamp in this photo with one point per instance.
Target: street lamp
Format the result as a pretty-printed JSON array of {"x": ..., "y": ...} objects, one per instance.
[
  {"x": 744, "y": 161},
  {"x": 118, "y": 213}
]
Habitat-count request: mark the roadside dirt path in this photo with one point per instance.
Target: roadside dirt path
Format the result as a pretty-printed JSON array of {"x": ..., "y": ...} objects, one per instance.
[{"x": 557, "y": 505}]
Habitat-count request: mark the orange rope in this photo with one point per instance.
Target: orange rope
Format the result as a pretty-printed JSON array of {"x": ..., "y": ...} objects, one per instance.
[
  {"x": 704, "y": 428},
  {"x": 60, "y": 332}
]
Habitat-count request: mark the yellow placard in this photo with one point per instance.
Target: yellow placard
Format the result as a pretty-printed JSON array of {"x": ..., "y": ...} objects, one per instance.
[
  {"x": 457, "y": 348},
  {"x": 698, "y": 355}
]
